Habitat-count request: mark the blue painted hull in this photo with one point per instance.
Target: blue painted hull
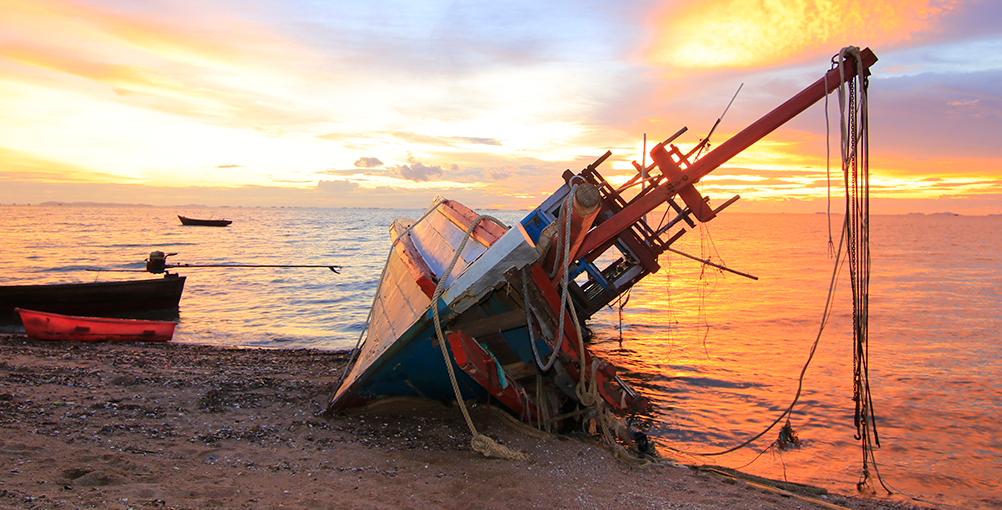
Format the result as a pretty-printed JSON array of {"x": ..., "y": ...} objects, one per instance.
[
  {"x": 483, "y": 302},
  {"x": 414, "y": 367}
]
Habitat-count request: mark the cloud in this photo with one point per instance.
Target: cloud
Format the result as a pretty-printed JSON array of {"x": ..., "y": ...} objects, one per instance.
[
  {"x": 197, "y": 62},
  {"x": 419, "y": 172},
  {"x": 31, "y": 167},
  {"x": 335, "y": 171},
  {"x": 335, "y": 187},
  {"x": 477, "y": 140},
  {"x": 958, "y": 115},
  {"x": 269, "y": 131},
  {"x": 901, "y": 68},
  {"x": 368, "y": 162},
  {"x": 448, "y": 141},
  {"x": 501, "y": 173},
  {"x": 261, "y": 83},
  {"x": 454, "y": 38}
]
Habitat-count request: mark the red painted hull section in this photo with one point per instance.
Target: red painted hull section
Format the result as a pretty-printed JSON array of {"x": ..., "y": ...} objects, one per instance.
[{"x": 52, "y": 326}]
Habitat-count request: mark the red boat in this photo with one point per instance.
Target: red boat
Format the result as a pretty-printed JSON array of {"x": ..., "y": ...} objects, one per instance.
[
  {"x": 203, "y": 223},
  {"x": 52, "y": 326}
]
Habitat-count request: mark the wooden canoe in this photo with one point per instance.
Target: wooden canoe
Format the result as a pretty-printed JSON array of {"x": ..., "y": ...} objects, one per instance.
[
  {"x": 53, "y": 326},
  {"x": 203, "y": 223}
]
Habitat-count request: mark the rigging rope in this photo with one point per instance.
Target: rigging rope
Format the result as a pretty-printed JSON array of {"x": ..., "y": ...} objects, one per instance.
[
  {"x": 855, "y": 236},
  {"x": 856, "y": 175},
  {"x": 600, "y": 419}
]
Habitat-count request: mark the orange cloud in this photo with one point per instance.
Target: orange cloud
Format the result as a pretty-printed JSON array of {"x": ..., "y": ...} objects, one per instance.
[
  {"x": 173, "y": 54},
  {"x": 120, "y": 77},
  {"x": 749, "y": 33},
  {"x": 27, "y": 166},
  {"x": 88, "y": 30}
]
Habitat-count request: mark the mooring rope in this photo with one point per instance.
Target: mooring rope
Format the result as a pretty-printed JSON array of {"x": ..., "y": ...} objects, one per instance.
[
  {"x": 603, "y": 422},
  {"x": 562, "y": 262},
  {"x": 481, "y": 443}
]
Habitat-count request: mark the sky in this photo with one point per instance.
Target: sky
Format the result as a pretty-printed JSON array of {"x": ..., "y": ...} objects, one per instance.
[{"x": 387, "y": 104}]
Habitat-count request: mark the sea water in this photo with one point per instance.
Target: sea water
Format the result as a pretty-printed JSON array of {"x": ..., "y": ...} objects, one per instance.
[{"x": 719, "y": 355}]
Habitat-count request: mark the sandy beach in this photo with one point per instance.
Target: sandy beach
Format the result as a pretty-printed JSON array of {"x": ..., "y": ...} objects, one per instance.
[{"x": 179, "y": 426}]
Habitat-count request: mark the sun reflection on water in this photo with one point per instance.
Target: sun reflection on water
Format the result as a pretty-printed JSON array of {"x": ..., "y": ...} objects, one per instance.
[{"x": 718, "y": 355}]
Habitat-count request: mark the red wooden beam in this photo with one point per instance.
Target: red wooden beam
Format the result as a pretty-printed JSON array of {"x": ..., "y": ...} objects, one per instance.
[
  {"x": 482, "y": 368},
  {"x": 612, "y": 389},
  {"x": 411, "y": 257},
  {"x": 723, "y": 153}
]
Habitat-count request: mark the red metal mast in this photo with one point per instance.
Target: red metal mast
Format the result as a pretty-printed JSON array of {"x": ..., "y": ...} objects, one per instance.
[{"x": 680, "y": 180}]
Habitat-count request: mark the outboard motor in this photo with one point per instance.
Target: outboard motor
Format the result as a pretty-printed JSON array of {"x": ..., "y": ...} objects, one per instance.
[{"x": 157, "y": 263}]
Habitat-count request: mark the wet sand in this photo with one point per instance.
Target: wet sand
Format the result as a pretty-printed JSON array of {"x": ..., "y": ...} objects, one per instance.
[{"x": 164, "y": 426}]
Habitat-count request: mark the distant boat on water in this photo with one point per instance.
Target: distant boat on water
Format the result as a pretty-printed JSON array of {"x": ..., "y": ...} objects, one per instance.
[
  {"x": 54, "y": 326},
  {"x": 203, "y": 223}
]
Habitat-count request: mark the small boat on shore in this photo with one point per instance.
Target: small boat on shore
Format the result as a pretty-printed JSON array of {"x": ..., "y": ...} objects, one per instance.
[
  {"x": 195, "y": 222},
  {"x": 151, "y": 298},
  {"x": 53, "y": 326}
]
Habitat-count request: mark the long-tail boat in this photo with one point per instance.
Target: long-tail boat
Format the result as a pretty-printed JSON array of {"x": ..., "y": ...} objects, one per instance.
[
  {"x": 468, "y": 306},
  {"x": 149, "y": 298}
]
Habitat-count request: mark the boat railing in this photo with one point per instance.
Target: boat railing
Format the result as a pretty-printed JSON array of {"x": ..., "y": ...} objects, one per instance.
[{"x": 638, "y": 246}]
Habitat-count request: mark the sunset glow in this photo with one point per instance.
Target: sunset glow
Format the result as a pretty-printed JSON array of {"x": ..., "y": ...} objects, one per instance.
[
  {"x": 388, "y": 104},
  {"x": 753, "y": 33}
]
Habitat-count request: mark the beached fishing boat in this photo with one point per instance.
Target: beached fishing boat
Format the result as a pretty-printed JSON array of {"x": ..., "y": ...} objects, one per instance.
[
  {"x": 467, "y": 308},
  {"x": 157, "y": 297},
  {"x": 54, "y": 326},
  {"x": 203, "y": 223}
]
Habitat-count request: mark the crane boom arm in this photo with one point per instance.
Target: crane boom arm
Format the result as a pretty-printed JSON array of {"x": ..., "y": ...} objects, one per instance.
[{"x": 680, "y": 179}]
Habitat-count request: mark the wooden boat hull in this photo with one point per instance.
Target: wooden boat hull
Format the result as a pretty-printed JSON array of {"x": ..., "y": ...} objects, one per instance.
[
  {"x": 488, "y": 340},
  {"x": 152, "y": 298},
  {"x": 195, "y": 222},
  {"x": 53, "y": 326}
]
